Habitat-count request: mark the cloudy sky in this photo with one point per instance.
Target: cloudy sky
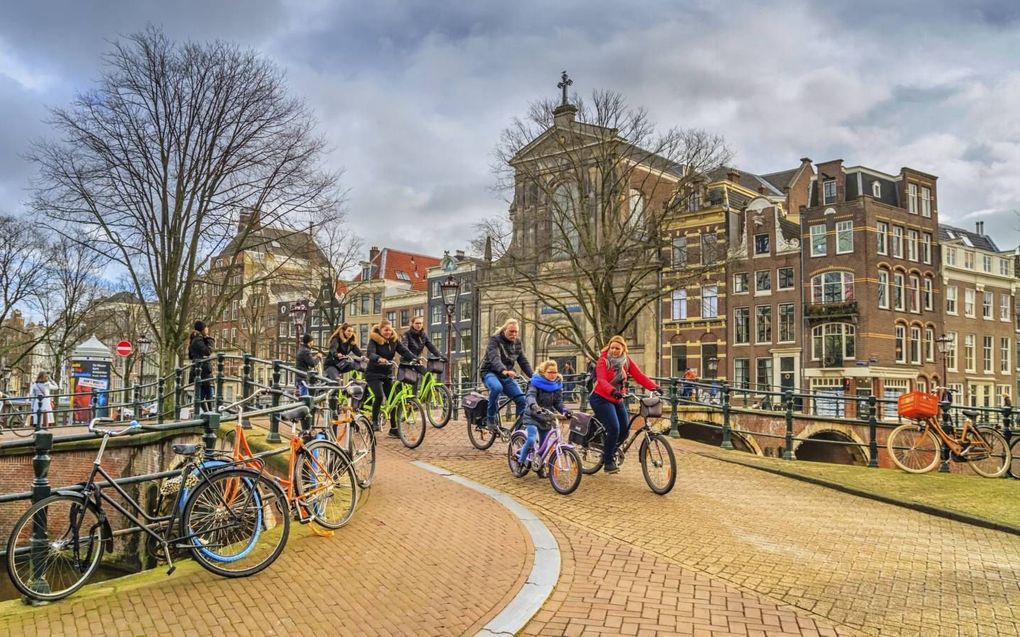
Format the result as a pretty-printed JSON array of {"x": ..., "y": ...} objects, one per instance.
[{"x": 413, "y": 95}]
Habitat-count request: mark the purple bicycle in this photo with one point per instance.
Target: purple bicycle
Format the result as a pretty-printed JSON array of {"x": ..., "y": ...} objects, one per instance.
[{"x": 553, "y": 456}]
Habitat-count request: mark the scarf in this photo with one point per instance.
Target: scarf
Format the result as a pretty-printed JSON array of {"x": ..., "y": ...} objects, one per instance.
[
  {"x": 620, "y": 362},
  {"x": 545, "y": 384}
]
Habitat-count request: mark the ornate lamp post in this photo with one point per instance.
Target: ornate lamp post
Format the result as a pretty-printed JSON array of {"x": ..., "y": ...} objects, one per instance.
[
  {"x": 144, "y": 347},
  {"x": 450, "y": 288},
  {"x": 944, "y": 344},
  {"x": 297, "y": 314}
]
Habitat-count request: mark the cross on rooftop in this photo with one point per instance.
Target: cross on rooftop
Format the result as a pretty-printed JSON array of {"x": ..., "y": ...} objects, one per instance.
[{"x": 564, "y": 83}]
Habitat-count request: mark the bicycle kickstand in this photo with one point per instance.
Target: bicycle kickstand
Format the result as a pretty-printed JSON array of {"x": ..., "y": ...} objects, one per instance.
[{"x": 171, "y": 567}]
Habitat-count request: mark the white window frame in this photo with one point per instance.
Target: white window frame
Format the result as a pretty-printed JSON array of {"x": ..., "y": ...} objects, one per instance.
[
  {"x": 929, "y": 344},
  {"x": 746, "y": 313},
  {"x": 950, "y": 256},
  {"x": 988, "y": 354},
  {"x": 828, "y": 198},
  {"x": 815, "y": 234},
  {"x": 678, "y": 305},
  {"x": 926, "y": 201},
  {"x": 844, "y": 231},
  {"x": 743, "y": 287},
  {"x": 714, "y": 305},
  {"x": 757, "y": 324},
  {"x": 952, "y": 298},
  {"x": 912, "y": 198},
  {"x": 912, "y": 240},
  {"x": 915, "y": 294},
  {"x": 768, "y": 277},
  {"x": 1004, "y": 307},
  {"x": 929, "y": 294},
  {"x": 897, "y": 242},
  {"x": 986, "y": 263},
  {"x": 969, "y": 300},
  {"x": 882, "y": 237},
  {"x": 899, "y": 292},
  {"x": 1005, "y": 353},
  {"x": 915, "y": 345},
  {"x": 926, "y": 247},
  {"x": 779, "y": 323},
  {"x": 876, "y": 189},
  {"x": 793, "y": 280},
  {"x": 883, "y": 289},
  {"x": 900, "y": 344},
  {"x": 846, "y": 283},
  {"x": 968, "y": 352},
  {"x": 951, "y": 352},
  {"x": 987, "y": 305}
]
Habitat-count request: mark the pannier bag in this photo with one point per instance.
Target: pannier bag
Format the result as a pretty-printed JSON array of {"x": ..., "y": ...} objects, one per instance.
[
  {"x": 580, "y": 428},
  {"x": 436, "y": 366},
  {"x": 651, "y": 407},
  {"x": 407, "y": 375},
  {"x": 918, "y": 405},
  {"x": 475, "y": 406}
]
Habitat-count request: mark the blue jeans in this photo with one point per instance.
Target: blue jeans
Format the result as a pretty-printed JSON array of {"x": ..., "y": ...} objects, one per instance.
[
  {"x": 533, "y": 435},
  {"x": 616, "y": 420},
  {"x": 505, "y": 385}
]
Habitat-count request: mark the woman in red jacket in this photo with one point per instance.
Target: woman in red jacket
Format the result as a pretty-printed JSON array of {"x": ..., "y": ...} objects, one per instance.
[{"x": 612, "y": 371}]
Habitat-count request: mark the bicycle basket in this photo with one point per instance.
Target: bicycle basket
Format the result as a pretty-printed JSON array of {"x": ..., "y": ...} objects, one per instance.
[
  {"x": 651, "y": 407},
  {"x": 408, "y": 375},
  {"x": 436, "y": 366},
  {"x": 918, "y": 405},
  {"x": 475, "y": 405},
  {"x": 580, "y": 428}
]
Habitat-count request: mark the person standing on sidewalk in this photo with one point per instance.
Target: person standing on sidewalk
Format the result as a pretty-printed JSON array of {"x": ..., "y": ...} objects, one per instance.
[
  {"x": 199, "y": 352},
  {"x": 612, "y": 372},
  {"x": 497, "y": 370},
  {"x": 42, "y": 404},
  {"x": 306, "y": 363}
]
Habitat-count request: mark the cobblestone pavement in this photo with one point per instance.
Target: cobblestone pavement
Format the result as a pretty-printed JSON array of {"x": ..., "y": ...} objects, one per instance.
[
  {"x": 737, "y": 551},
  {"x": 423, "y": 556}
]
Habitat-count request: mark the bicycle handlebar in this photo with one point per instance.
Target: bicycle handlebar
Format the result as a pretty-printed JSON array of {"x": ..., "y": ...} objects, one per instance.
[{"x": 134, "y": 424}]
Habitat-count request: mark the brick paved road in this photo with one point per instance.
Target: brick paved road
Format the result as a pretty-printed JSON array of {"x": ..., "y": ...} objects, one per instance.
[
  {"x": 737, "y": 551},
  {"x": 422, "y": 556}
]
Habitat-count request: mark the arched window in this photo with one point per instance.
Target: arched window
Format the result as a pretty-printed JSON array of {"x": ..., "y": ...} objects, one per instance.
[
  {"x": 565, "y": 237},
  {"x": 876, "y": 189},
  {"x": 832, "y": 287},
  {"x": 832, "y": 343}
]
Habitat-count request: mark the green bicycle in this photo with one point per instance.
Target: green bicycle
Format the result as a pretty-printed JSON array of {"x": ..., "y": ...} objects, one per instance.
[
  {"x": 401, "y": 407},
  {"x": 434, "y": 395}
]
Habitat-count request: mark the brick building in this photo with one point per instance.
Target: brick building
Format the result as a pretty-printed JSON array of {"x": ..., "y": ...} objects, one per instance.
[
  {"x": 980, "y": 285},
  {"x": 870, "y": 281},
  {"x": 386, "y": 273}
]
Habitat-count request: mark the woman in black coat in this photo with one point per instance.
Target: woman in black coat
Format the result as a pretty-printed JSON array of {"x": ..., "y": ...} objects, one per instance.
[
  {"x": 199, "y": 352},
  {"x": 383, "y": 346},
  {"x": 342, "y": 345}
]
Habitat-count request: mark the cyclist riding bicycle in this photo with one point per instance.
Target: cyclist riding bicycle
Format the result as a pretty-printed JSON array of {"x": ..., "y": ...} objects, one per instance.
[
  {"x": 502, "y": 353},
  {"x": 544, "y": 393},
  {"x": 383, "y": 346},
  {"x": 612, "y": 371},
  {"x": 417, "y": 341},
  {"x": 342, "y": 346}
]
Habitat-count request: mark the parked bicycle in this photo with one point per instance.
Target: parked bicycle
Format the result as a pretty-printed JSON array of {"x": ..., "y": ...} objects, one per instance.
[
  {"x": 658, "y": 462},
  {"x": 1014, "y": 455},
  {"x": 916, "y": 447},
  {"x": 434, "y": 396},
  {"x": 401, "y": 407},
  {"x": 12, "y": 417},
  {"x": 349, "y": 428},
  {"x": 233, "y": 520},
  {"x": 553, "y": 457}
]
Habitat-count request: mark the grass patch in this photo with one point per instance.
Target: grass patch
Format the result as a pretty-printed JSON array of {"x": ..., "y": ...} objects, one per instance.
[{"x": 995, "y": 500}]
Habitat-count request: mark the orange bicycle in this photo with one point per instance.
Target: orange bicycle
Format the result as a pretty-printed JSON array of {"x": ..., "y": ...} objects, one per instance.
[
  {"x": 916, "y": 447},
  {"x": 349, "y": 428},
  {"x": 321, "y": 484}
]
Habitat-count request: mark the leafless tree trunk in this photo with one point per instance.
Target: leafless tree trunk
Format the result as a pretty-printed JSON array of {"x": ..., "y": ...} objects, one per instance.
[
  {"x": 590, "y": 199},
  {"x": 156, "y": 166},
  {"x": 23, "y": 282}
]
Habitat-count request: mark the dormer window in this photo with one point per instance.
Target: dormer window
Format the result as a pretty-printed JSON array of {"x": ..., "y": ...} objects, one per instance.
[
  {"x": 829, "y": 191},
  {"x": 694, "y": 201},
  {"x": 876, "y": 189}
]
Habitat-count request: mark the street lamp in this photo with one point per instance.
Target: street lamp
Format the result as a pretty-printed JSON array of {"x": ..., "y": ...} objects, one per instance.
[
  {"x": 944, "y": 344},
  {"x": 297, "y": 314},
  {"x": 144, "y": 347},
  {"x": 449, "y": 289}
]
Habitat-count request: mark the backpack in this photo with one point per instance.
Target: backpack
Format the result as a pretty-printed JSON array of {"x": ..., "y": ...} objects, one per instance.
[{"x": 475, "y": 407}]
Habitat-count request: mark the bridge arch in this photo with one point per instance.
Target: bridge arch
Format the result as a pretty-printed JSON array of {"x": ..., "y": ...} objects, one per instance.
[{"x": 817, "y": 445}]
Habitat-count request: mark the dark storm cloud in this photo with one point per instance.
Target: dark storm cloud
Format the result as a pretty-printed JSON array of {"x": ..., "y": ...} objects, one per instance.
[{"x": 413, "y": 95}]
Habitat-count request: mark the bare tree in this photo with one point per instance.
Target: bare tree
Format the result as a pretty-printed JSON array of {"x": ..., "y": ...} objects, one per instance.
[
  {"x": 592, "y": 189},
  {"x": 22, "y": 284},
  {"x": 157, "y": 165},
  {"x": 342, "y": 250}
]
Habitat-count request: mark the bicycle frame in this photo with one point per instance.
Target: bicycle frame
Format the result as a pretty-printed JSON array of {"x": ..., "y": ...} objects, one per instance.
[{"x": 955, "y": 444}]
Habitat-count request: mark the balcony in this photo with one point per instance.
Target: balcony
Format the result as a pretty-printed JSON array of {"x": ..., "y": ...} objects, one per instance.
[{"x": 831, "y": 311}]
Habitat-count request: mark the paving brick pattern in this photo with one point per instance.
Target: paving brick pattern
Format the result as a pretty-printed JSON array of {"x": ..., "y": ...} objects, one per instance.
[
  {"x": 736, "y": 551},
  {"x": 423, "y": 556}
]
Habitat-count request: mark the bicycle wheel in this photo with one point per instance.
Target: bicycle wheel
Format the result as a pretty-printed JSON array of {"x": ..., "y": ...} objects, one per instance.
[
  {"x": 237, "y": 522},
  {"x": 988, "y": 454},
  {"x": 564, "y": 468},
  {"x": 411, "y": 423},
  {"x": 658, "y": 463},
  {"x": 914, "y": 449},
  {"x": 1014, "y": 463},
  {"x": 439, "y": 406},
  {"x": 591, "y": 452},
  {"x": 325, "y": 483},
  {"x": 16, "y": 423},
  {"x": 480, "y": 435},
  {"x": 513, "y": 451},
  {"x": 63, "y": 559},
  {"x": 363, "y": 444}
]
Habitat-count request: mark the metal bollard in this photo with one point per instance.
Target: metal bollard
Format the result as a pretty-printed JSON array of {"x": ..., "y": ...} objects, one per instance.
[
  {"x": 274, "y": 418},
  {"x": 197, "y": 386},
  {"x": 872, "y": 432},
  {"x": 674, "y": 402},
  {"x": 727, "y": 438},
  {"x": 178, "y": 391},
  {"x": 136, "y": 401},
  {"x": 788, "y": 447},
  {"x": 40, "y": 491},
  {"x": 160, "y": 399},
  {"x": 220, "y": 377},
  {"x": 246, "y": 385},
  {"x": 210, "y": 425},
  {"x": 457, "y": 396},
  {"x": 947, "y": 426}
]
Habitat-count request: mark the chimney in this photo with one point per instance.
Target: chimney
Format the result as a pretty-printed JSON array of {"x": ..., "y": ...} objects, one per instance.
[
  {"x": 980, "y": 225},
  {"x": 459, "y": 255},
  {"x": 805, "y": 160},
  {"x": 733, "y": 175},
  {"x": 563, "y": 115}
]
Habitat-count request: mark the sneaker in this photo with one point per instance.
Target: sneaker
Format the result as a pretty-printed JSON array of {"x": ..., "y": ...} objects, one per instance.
[
  {"x": 393, "y": 433},
  {"x": 611, "y": 468}
]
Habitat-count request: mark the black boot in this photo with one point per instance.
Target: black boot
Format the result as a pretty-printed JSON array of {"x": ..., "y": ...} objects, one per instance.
[{"x": 393, "y": 433}]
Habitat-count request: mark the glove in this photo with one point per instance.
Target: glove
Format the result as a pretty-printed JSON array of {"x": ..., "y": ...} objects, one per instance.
[
  {"x": 568, "y": 413},
  {"x": 616, "y": 394}
]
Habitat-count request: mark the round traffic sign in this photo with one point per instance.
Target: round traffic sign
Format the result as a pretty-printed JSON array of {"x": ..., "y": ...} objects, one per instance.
[{"x": 124, "y": 348}]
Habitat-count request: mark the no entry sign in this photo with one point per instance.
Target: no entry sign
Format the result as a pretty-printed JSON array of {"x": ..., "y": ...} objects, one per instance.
[{"x": 124, "y": 348}]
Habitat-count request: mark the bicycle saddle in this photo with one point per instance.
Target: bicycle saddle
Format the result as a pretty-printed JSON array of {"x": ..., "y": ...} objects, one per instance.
[
  {"x": 185, "y": 450},
  {"x": 970, "y": 413}
]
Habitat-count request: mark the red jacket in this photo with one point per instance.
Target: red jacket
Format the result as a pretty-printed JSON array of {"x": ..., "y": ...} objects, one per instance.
[{"x": 604, "y": 375}]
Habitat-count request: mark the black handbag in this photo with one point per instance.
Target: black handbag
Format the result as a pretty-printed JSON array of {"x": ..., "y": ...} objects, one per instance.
[
  {"x": 651, "y": 407},
  {"x": 580, "y": 428}
]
